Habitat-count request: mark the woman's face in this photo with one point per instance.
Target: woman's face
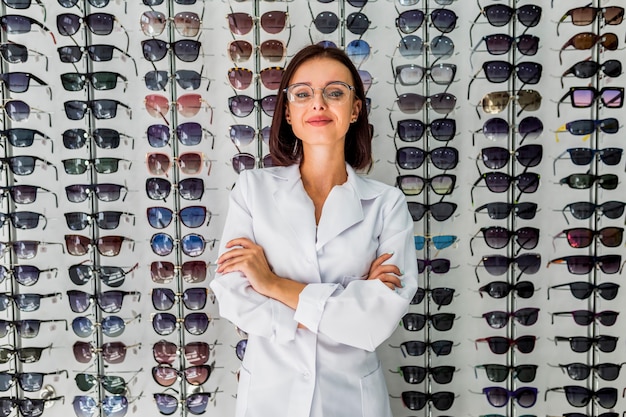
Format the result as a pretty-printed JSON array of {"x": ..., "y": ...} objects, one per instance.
[{"x": 322, "y": 121}]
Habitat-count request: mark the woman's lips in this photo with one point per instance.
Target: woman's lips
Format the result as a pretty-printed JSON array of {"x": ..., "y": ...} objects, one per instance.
[{"x": 318, "y": 121}]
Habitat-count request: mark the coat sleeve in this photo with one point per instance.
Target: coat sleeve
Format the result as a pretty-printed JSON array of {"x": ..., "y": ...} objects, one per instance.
[
  {"x": 238, "y": 301},
  {"x": 366, "y": 312}
]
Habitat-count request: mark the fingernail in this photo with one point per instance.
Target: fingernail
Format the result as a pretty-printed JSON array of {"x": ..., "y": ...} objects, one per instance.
[
  {"x": 401, "y": 272},
  {"x": 402, "y": 283},
  {"x": 390, "y": 253}
]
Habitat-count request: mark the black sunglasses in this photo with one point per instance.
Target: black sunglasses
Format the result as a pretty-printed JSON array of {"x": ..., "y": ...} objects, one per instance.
[
  {"x": 580, "y": 371},
  {"x": 499, "y": 71},
  {"x": 415, "y": 400},
  {"x": 497, "y": 237},
  {"x": 439, "y": 211},
  {"x": 99, "y": 23},
  {"x": 578, "y": 396},
  {"x": 502, "y": 210},
  {"x": 24, "y": 355},
  {"x": 104, "y": 138},
  {"x": 16, "y": 53},
  {"x": 501, "y": 345},
  {"x": 187, "y": 50},
  {"x": 584, "y": 156},
  {"x": 440, "y": 321},
  {"x": 586, "y": 317},
  {"x": 584, "y": 264},
  {"x": 411, "y": 157},
  {"x": 28, "y": 381},
  {"x": 499, "y": 319},
  {"x": 418, "y": 347},
  {"x": 111, "y": 276},
  {"x": 109, "y": 301},
  {"x": 442, "y": 296},
  {"x": 26, "y": 275},
  {"x": 501, "y": 289},
  {"x": 417, "y": 374},
  {"x": 583, "y": 289},
  {"x": 499, "y": 182},
  {"x": 19, "y": 82},
  {"x": 113, "y": 384},
  {"x": 497, "y": 128},
  {"x": 23, "y": 219},
  {"x": 99, "y": 80},
  {"x": 581, "y": 344},
  {"x": 156, "y": 80},
  {"x": 412, "y": 130},
  {"x": 25, "y": 164},
  {"x": 499, "y": 15},
  {"x": 24, "y": 301},
  {"x": 26, "y": 329},
  {"x": 78, "y": 193},
  {"x": 499, "y": 373},
  {"x": 100, "y": 108},
  {"x": 188, "y": 188},
  {"x": 527, "y": 263},
  {"x": 106, "y": 220},
  {"x": 495, "y": 157},
  {"x": 21, "y": 137},
  {"x": 97, "y": 52},
  {"x": 584, "y": 209},
  {"x": 587, "y": 69},
  {"x": 435, "y": 266},
  {"x": 501, "y": 43}
]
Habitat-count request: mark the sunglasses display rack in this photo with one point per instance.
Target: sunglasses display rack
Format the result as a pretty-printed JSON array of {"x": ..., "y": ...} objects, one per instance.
[{"x": 500, "y": 121}]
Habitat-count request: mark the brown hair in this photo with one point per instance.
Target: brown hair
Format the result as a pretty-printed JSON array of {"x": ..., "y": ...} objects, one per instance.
[{"x": 284, "y": 145}]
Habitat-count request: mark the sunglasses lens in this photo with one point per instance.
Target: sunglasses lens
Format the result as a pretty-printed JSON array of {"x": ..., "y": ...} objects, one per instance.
[
  {"x": 193, "y": 216},
  {"x": 358, "y": 51},
  {"x": 197, "y": 353},
  {"x": 193, "y": 245},
  {"x": 271, "y": 77},
  {"x": 82, "y": 327},
  {"x": 162, "y": 244},
  {"x": 326, "y": 22},
  {"x": 166, "y": 403},
  {"x": 410, "y": 157},
  {"x": 240, "y": 51},
  {"x": 612, "y": 97},
  {"x": 14, "y": 53},
  {"x": 243, "y": 161},
  {"x": 530, "y": 128},
  {"x": 410, "y": 130},
  {"x": 158, "y": 188}
]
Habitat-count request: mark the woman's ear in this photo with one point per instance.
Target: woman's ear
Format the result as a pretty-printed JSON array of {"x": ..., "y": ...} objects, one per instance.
[
  {"x": 356, "y": 109},
  {"x": 287, "y": 116}
]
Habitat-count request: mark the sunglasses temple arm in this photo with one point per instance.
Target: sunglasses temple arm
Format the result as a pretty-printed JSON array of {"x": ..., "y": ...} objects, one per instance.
[
  {"x": 474, "y": 49},
  {"x": 476, "y": 273}
]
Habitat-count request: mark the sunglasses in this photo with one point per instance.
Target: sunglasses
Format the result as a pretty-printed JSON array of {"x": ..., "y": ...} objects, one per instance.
[
  {"x": 159, "y": 2},
  {"x": 415, "y": 400},
  {"x": 501, "y": 345},
  {"x": 15, "y": 53},
  {"x": 441, "y": 184},
  {"x": 586, "y": 317},
  {"x": 439, "y": 242},
  {"x": 240, "y": 349},
  {"x": 500, "y": 182},
  {"x": 578, "y": 396},
  {"x": 113, "y": 384},
  {"x": 24, "y": 355},
  {"x": 499, "y": 15},
  {"x": 495, "y": 157},
  {"x": 188, "y": 163},
  {"x": 584, "y": 156},
  {"x": 588, "y": 69},
  {"x": 78, "y": 193},
  {"x": 586, "y": 181},
  {"x": 439, "y": 211},
  {"x": 327, "y": 22},
  {"x": 412, "y": 46},
  {"x": 156, "y": 80},
  {"x": 188, "y": 134},
  {"x": 78, "y": 245},
  {"x": 101, "y": 80},
  {"x": 100, "y": 108},
  {"x": 411, "y": 74},
  {"x": 242, "y": 105},
  {"x": 19, "y": 82},
  {"x": 15, "y": 24},
  {"x": 192, "y": 272},
  {"x": 26, "y": 329},
  {"x": 153, "y": 23},
  {"x": 104, "y": 138},
  {"x": 584, "y": 127},
  {"x": 108, "y": 301},
  {"x": 195, "y": 353},
  {"x": 582, "y": 97},
  {"x": 187, "y": 105},
  {"x": 24, "y": 220},
  {"x": 243, "y": 161},
  {"x": 501, "y": 210},
  {"x": 584, "y": 209},
  {"x": 241, "y": 78},
  {"x": 499, "y": 397},
  {"x": 28, "y": 381},
  {"x": 187, "y": 50},
  {"x": 26, "y": 275},
  {"x": 20, "y": 137},
  {"x": 111, "y": 406},
  {"x": 582, "y": 344},
  {"x": 498, "y": 237},
  {"x": 583, "y": 290},
  {"x": 29, "y": 407},
  {"x": 581, "y": 371},
  {"x": 583, "y": 16},
  {"x": 25, "y": 249},
  {"x": 111, "y": 352},
  {"x": 192, "y": 244},
  {"x": 358, "y": 51},
  {"x": 435, "y": 266},
  {"x": 19, "y": 111},
  {"x": 111, "y": 276},
  {"x": 111, "y": 326},
  {"x": 166, "y": 375},
  {"x": 195, "y": 404},
  {"x": 100, "y": 23},
  {"x": 496, "y": 102},
  {"x": 500, "y": 72},
  {"x": 243, "y": 135},
  {"x": 415, "y": 322},
  {"x": 272, "y": 50},
  {"x": 499, "y": 319},
  {"x": 192, "y": 216},
  {"x": 192, "y": 298},
  {"x": 527, "y": 263},
  {"x": 24, "y": 164},
  {"x": 587, "y": 40},
  {"x": 167, "y": 323},
  {"x": 412, "y": 130},
  {"x": 499, "y": 373},
  {"x": 417, "y": 374},
  {"x": 24, "y": 302},
  {"x": 441, "y": 296},
  {"x": 106, "y": 220},
  {"x": 582, "y": 237},
  {"x": 188, "y": 189},
  {"x": 584, "y": 264},
  {"x": 501, "y": 43},
  {"x": 444, "y": 20},
  {"x": 418, "y": 347},
  {"x": 410, "y": 157},
  {"x": 104, "y": 165},
  {"x": 272, "y": 22},
  {"x": 501, "y": 289},
  {"x": 97, "y": 52}
]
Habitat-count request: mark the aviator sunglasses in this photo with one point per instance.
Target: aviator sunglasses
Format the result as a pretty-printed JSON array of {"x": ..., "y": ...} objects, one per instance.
[
  {"x": 497, "y": 101},
  {"x": 111, "y": 276}
]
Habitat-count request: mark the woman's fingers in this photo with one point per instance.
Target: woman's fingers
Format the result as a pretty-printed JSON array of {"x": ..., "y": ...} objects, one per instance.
[
  {"x": 378, "y": 261},
  {"x": 392, "y": 280}
]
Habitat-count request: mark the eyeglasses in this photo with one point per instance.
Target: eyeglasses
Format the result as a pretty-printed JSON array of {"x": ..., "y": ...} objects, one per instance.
[
  {"x": 111, "y": 276},
  {"x": 26, "y": 275},
  {"x": 26, "y": 329},
  {"x": 441, "y": 184},
  {"x": 581, "y": 371},
  {"x": 100, "y": 108},
  {"x": 25, "y": 249},
  {"x": 582, "y": 344},
  {"x": 242, "y": 105},
  {"x": 153, "y": 23},
  {"x": 78, "y": 245},
  {"x": 441, "y": 296},
  {"x": 192, "y": 216},
  {"x": 188, "y": 189},
  {"x": 497, "y": 237},
  {"x": 100, "y": 80},
  {"x": 187, "y": 50},
  {"x": 335, "y": 93},
  {"x": 587, "y": 69},
  {"x": 111, "y": 326},
  {"x": 499, "y": 15},
  {"x": 410, "y": 157},
  {"x": 166, "y": 375},
  {"x": 583, "y": 16},
  {"x": 412, "y": 46},
  {"x": 586, "y": 317},
  {"x": 499, "y": 397},
  {"x": 104, "y": 138},
  {"x": 501, "y": 289},
  {"x": 96, "y": 52},
  {"x": 272, "y": 50},
  {"x": 439, "y": 242},
  {"x": 501, "y": 43},
  {"x": 415, "y": 400},
  {"x": 192, "y": 298},
  {"x": 499, "y": 182},
  {"x": 187, "y": 105},
  {"x": 584, "y": 156},
  {"x": 112, "y": 352},
  {"x": 23, "y": 219},
  {"x": 444, "y": 20},
  {"x": 583, "y": 290},
  {"x": 29, "y": 407},
  {"x": 24, "y": 355},
  {"x": 524, "y": 316},
  {"x": 272, "y": 22},
  {"x": 411, "y": 74},
  {"x": 192, "y": 244},
  {"x": 583, "y": 127},
  {"x": 28, "y": 381},
  {"x": 111, "y": 383},
  {"x": 499, "y": 373},
  {"x": 582, "y": 237},
  {"x": 435, "y": 266},
  {"x": 68, "y": 24},
  {"x": 192, "y": 272},
  {"x": 327, "y": 22},
  {"x": 196, "y": 353},
  {"x": 586, "y": 181},
  {"x": 587, "y": 40},
  {"x": 24, "y": 302},
  {"x": 501, "y": 210},
  {"x": 415, "y": 322},
  {"x": 412, "y": 130},
  {"x": 500, "y": 72},
  {"x": 497, "y": 101},
  {"x": 418, "y": 347},
  {"x": 195, "y": 403},
  {"x": 527, "y": 263},
  {"x": 583, "y": 209},
  {"x": 78, "y": 193},
  {"x": 15, "y": 53},
  {"x": 501, "y": 345},
  {"x": 243, "y": 135},
  {"x": 411, "y": 103},
  {"x": 108, "y": 301},
  {"x": 439, "y": 211},
  {"x": 495, "y": 157},
  {"x": 189, "y": 163},
  {"x": 417, "y": 374},
  {"x": 167, "y": 323},
  {"x": 584, "y": 264},
  {"x": 611, "y": 97},
  {"x": 578, "y": 396}
]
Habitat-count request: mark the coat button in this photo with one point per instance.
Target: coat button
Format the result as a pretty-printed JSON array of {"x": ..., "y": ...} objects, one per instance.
[{"x": 306, "y": 374}]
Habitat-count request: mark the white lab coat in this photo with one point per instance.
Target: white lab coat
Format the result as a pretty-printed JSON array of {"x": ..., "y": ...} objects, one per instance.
[{"x": 329, "y": 369}]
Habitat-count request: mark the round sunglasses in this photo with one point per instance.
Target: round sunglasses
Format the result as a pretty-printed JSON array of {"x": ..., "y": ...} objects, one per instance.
[{"x": 192, "y": 272}]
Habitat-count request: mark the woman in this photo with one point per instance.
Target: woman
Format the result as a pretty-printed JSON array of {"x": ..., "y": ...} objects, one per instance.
[{"x": 317, "y": 264}]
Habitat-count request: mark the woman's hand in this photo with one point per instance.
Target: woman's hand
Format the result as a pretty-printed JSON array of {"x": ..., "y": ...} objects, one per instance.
[
  {"x": 388, "y": 274},
  {"x": 249, "y": 259}
]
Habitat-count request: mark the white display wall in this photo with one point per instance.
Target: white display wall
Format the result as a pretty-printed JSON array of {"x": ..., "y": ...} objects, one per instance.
[{"x": 466, "y": 276}]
